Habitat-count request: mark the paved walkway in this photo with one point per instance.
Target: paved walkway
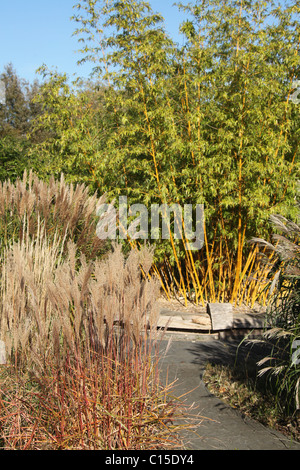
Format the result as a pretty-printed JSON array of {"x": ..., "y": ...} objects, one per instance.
[{"x": 223, "y": 427}]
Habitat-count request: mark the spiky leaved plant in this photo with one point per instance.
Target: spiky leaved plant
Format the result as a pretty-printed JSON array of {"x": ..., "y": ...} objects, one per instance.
[{"x": 283, "y": 315}]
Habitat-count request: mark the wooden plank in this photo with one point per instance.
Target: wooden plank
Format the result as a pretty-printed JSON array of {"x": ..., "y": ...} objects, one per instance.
[
  {"x": 221, "y": 316},
  {"x": 202, "y": 320},
  {"x": 177, "y": 323}
]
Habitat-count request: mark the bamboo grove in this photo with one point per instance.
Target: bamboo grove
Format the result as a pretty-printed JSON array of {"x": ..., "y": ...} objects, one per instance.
[{"x": 209, "y": 122}]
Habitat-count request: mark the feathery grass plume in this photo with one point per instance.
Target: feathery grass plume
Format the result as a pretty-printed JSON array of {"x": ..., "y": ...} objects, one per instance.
[
  {"x": 64, "y": 208},
  {"x": 48, "y": 284},
  {"x": 121, "y": 295},
  {"x": 25, "y": 312}
]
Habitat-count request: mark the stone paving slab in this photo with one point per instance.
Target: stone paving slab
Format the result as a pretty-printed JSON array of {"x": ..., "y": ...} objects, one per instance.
[{"x": 221, "y": 316}]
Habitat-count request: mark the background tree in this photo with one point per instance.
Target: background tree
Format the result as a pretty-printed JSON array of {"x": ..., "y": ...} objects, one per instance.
[
  {"x": 69, "y": 131},
  {"x": 16, "y": 115}
]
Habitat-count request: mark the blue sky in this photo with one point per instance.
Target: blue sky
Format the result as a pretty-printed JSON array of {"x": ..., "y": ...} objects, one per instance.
[{"x": 36, "y": 32}]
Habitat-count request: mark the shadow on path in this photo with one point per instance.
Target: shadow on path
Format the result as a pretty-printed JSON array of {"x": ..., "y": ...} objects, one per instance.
[{"x": 224, "y": 427}]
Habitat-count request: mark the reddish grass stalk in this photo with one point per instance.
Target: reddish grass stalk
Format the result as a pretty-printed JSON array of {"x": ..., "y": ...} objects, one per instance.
[{"x": 113, "y": 403}]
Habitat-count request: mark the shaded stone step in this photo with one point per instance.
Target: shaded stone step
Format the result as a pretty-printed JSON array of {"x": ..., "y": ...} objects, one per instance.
[{"x": 249, "y": 321}]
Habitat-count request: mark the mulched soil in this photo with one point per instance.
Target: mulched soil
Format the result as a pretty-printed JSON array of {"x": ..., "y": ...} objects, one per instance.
[{"x": 235, "y": 392}]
